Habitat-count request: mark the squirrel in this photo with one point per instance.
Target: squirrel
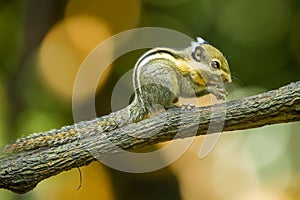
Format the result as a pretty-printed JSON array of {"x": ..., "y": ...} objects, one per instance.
[{"x": 160, "y": 77}]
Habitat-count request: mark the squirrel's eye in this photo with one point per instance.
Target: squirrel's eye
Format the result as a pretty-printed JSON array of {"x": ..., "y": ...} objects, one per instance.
[{"x": 215, "y": 64}]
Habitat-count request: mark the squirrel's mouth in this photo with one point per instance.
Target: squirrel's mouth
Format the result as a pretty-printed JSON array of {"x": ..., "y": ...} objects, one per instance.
[{"x": 217, "y": 89}]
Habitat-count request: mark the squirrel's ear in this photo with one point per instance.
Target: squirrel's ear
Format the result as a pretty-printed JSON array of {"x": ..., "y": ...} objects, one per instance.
[
  {"x": 201, "y": 41},
  {"x": 198, "y": 54}
]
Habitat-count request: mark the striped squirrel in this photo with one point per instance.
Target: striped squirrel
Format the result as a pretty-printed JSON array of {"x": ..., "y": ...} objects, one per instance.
[{"x": 161, "y": 76}]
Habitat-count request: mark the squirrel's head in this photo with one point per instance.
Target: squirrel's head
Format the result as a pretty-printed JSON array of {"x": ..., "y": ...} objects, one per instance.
[
  {"x": 206, "y": 67},
  {"x": 211, "y": 58}
]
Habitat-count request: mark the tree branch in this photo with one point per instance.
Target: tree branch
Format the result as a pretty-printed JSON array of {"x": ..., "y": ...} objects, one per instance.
[{"x": 22, "y": 171}]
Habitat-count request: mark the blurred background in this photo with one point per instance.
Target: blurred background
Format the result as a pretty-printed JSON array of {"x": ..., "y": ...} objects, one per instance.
[{"x": 44, "y": 42}]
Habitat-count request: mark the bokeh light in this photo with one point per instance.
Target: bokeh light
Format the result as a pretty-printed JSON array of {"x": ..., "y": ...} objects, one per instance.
[
  {"x": 95, "y": 185},
  {"x": 250, "y": 165},
  {"x": 266, "y": 145},
  {"x": 120, "y": 15},
  {"x": 65, "y": 47}
]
